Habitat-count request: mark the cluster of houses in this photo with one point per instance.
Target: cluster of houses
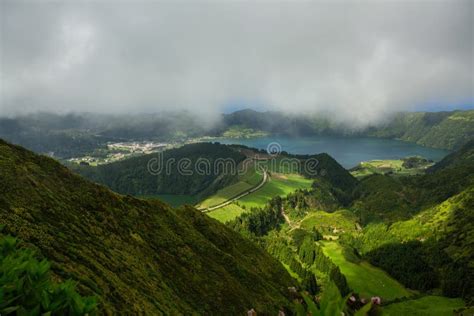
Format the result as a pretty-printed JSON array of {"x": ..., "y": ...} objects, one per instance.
[{"x": 145, "y": 147}]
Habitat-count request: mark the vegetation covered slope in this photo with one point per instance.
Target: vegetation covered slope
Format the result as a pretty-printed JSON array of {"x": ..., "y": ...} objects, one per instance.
[
  {"x": 26, "y": 287},
  {"x": 407, "y": 239},
  {"x": 136, "y": 256},
  {"x": 143, "y": 176},
  {"x": 431, "y": 250},
  {"x": 449, "y": 130},
  {"x": 389, "y": 198},
  {"x": 460, "y": 158},
  {"x": 286, "y": 174},
  {"x": 420, "y": 228}
]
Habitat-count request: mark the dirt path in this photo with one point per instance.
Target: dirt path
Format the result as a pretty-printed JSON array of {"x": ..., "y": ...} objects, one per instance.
[
  {"x": 287, "y": 219},
  {"x": 293, "y": 225}
]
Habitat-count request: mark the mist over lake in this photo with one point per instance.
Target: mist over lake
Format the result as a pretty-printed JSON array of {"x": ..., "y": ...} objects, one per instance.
[{"x": 348, "y": 151}]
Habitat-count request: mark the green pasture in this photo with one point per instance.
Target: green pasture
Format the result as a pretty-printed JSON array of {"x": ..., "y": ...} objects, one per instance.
[
  {"x": 226, "y": 213},
  {"x": 364, "y": 278},
  {"x": 342, "y": 221},
  {"x": 277, "y": 185},
  {"x": 425, "y": 306}
]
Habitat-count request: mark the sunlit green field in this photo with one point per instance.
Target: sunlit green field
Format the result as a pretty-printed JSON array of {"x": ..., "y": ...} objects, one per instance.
[
  {"x": 425, "y": 306},
  {"x": 364, "y": 278},
  {"x": 394, "y": 166},
  {"x": 248, "y": 181},
  {"x": 278, "y": 184},
  {"x": 237, "y": 131},
  {"x": 343, "y": 221},
  {"x": 226, "y": 213}
]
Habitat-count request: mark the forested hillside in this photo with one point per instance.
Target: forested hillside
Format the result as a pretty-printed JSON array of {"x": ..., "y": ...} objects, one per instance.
[
  {"x": 427, "y": 221},
  {"x": 134, "y": 256},
  {"x": 449, "y": 130},
  {"x": 137, "y": 176}
]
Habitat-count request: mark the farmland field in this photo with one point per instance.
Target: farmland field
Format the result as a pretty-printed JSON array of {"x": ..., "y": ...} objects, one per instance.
[
  {"x": 399, "y": 167},
  {"x": 247, "y": 181},
  {"x": 277, "y": 185},
  {"x": 226, "y": 213},
  {"x": 342, "y": 220}
]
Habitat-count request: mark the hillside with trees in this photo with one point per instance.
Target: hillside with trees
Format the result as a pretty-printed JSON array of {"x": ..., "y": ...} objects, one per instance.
[
  {"x": 418, "y": 229},
  {"x": 133, "y": 256},
  {"x": 162, "y": 173}
]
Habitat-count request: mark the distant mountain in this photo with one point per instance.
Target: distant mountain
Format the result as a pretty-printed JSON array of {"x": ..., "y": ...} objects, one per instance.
[
  {"x": 74, "y": 135},
  {"x": 137, "y": 257},
  {"x": 280, "y": 123},
  {"x": 447, "y": 130},
  {"x": 78, "y": 134}
]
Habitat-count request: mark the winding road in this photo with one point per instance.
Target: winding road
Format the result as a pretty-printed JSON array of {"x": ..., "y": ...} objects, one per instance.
[{"x": 239, "y": 196}]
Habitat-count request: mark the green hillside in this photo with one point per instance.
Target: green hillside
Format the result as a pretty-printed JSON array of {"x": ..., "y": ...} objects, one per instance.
[
  {"x": 461, "y": 157},
  {"x": 389, "y": 198},
  {"x": 425, "y": 306},
  {"x": 426, "y": 220},
  {"x": 133, "y": 176},
  {"x": 245, "y": 182},
  {"x": 407, "y": 239},
  {"x": 284, "y": 177},
  {"x": 449, "y": 130},
  {"x": 364, "y": 278},
  {"x": 278, "y": 185},
  {"x": 135, "y": 256},
  {"x": 436, "y": 246}
]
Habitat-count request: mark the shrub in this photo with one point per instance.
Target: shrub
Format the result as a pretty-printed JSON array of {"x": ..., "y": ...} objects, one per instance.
[{"x": 26, "y": 287}]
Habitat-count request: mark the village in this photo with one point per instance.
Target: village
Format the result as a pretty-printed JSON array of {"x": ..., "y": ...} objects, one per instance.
[{"x": 121, "y": 150}]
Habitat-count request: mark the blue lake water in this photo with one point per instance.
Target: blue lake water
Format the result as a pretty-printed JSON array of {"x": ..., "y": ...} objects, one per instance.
[{"x": 348, "y": 151}]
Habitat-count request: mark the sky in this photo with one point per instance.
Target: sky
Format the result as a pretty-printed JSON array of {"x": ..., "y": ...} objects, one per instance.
[{"x": 354, "y": 61}]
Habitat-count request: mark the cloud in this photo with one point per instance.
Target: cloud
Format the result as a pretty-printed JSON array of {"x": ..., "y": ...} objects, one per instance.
[{"x": 354, "y": 61}]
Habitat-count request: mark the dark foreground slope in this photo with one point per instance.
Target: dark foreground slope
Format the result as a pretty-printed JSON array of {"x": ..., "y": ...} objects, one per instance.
[{"x": 136, "y": 256}]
